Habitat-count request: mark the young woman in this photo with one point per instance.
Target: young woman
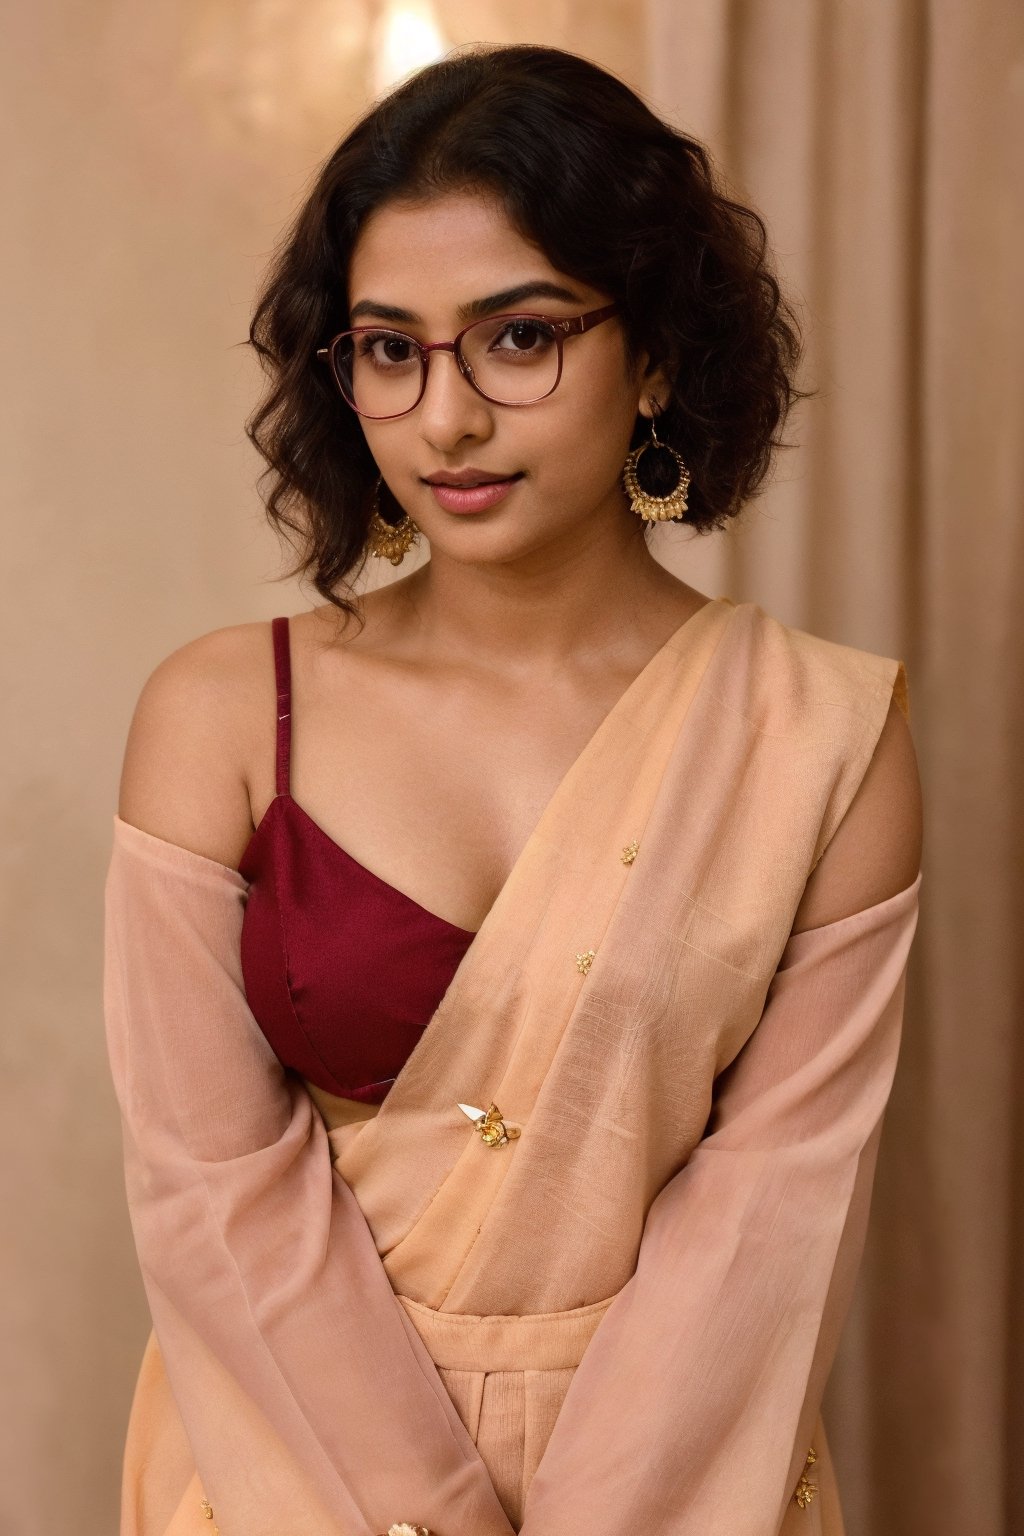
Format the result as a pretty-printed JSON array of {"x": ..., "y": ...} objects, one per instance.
[{"x": 505, "y": 969}]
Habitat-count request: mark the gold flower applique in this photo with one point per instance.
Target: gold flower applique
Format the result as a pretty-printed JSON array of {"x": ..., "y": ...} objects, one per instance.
[
  {"x": 630, "y": 852},
  {"x": 207, "y": 1509},
  {"x": 493, "y": 1130},
  {"x": 403, "y": 1528},
  {"x": 805, "y": 1490},
  {"x": 585, "y": 961}
]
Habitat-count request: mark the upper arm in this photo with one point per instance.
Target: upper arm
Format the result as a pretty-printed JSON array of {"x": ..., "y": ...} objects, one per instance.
[
  {"x": 184, "y": 773},
  {"x": 876, "y": 849}
]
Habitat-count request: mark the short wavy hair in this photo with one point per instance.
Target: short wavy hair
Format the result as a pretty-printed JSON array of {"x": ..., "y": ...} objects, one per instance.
[{"x": 613, "y": 195}]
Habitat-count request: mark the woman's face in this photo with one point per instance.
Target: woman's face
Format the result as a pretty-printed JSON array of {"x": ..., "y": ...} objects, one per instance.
[{"x": 429, "y": 261}]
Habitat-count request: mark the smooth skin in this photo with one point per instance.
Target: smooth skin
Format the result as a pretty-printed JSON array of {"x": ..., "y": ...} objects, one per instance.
[{"x": 428, "y": 744}]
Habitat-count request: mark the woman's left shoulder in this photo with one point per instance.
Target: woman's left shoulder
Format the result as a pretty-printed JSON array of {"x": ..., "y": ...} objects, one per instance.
[
  {"x": 853, "y": 705},
  {"x": 809, "y": 669},
  {"x": 875, "y": 852}
]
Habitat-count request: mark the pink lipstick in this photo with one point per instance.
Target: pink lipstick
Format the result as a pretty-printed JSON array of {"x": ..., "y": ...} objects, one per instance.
[{"x": 470, "y": 490}]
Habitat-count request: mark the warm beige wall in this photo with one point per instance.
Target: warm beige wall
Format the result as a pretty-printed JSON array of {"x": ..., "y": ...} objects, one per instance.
[{"x": 157, "y": 151}]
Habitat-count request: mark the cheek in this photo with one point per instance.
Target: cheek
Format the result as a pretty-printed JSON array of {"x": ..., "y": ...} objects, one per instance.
[
  {"x": 587, "y": 438},
  {"x": 390, "y": 447}
]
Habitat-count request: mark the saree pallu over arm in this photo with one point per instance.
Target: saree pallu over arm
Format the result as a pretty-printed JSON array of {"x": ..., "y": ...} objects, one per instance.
[
  {"x": 630, "y": 1309},
  {"x": 696, "y": 1402},
  {"x": 309, "y": 1403}
]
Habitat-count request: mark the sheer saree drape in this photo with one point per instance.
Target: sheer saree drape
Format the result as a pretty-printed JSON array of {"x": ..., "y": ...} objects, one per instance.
[{"x": 627, "y": 1315}]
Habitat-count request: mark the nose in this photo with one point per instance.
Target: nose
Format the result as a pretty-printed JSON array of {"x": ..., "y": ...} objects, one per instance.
[{"x": 451, "y": 411}]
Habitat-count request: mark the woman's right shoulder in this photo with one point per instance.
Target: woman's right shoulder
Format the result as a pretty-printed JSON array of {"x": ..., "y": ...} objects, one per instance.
[{"x": 201, "y": 715}]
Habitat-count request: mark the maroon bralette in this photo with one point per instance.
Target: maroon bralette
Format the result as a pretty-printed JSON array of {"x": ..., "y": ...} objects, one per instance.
[{"x": 342, "y": 971}]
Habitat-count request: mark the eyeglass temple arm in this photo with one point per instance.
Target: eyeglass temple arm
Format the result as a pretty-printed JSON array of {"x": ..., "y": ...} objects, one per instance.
[{"x": 586, "y": 322}]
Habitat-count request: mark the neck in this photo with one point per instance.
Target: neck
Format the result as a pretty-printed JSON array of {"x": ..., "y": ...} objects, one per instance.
[{"x": 591, "y": 599}]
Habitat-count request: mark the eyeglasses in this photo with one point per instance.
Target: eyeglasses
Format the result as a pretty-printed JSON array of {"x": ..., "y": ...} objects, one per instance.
[{"x": 508, "y": 359}]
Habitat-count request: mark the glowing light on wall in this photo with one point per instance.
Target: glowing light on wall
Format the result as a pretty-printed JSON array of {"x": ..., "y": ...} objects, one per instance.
[
  {"x": 406, "y": 37},
  {"x": 236, "y": 86}
]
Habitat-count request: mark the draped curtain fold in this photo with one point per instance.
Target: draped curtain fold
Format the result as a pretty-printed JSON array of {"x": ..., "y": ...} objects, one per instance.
[{"x": 884, "y": 146}]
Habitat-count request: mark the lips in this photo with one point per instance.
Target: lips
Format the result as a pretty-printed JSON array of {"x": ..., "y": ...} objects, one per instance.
[
  {"x": 471, "y": 490},
  {"x": 469, "y": 477}
]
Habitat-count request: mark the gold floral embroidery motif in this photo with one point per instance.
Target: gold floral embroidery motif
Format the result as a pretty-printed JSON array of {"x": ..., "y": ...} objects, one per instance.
[
  {"x": 630, "y": 851},
  {"x": 403, "y": 1528},
  {"x": 585, "y": 961},
  {"x": 207, "y": 1509},
  {"x": 806, "y": 1490}
]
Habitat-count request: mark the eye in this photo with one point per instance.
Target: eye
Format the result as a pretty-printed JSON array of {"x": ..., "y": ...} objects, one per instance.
[
  {"x": 386, "y": 349},
  {"x": 523, "y": 336}
]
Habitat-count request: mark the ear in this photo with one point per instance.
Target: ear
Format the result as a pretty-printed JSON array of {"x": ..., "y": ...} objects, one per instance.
[{"x": 655, "y": 387}]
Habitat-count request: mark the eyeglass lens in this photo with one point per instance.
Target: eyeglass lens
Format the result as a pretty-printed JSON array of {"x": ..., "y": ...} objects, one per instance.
[{"x": 513, "y": 360}]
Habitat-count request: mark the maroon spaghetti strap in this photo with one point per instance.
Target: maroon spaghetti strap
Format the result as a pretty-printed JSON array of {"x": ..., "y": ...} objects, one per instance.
[
  {"x": 319, "y": 931},
  {"x": 283, "y": 676}
]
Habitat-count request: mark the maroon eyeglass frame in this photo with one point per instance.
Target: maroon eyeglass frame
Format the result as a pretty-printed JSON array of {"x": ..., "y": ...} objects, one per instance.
[{"x": 562, "y": 328}]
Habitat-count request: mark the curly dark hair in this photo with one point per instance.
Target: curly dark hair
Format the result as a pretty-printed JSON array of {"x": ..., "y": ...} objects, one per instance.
[{"x": 613, "y": 195}]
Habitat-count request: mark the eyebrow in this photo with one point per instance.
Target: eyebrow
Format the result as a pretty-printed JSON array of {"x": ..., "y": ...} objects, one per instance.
[{"x": 476, "y": 309}]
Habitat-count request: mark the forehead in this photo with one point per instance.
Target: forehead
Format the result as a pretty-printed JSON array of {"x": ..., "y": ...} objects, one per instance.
[{"x": 437, "y": 253}]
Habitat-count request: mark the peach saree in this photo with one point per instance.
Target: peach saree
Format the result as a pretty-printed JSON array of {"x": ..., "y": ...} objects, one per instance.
[{"x": 620, "y": 1318}]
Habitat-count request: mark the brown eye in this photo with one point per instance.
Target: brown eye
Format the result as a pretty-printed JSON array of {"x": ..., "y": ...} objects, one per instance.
[
  {"x": 523, "y": 336},
  {"x": 386, "y": 350},
  {"x": 396, "y": 349}
]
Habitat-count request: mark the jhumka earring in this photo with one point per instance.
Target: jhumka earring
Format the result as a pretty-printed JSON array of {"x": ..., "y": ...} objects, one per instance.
[
  {"x": 652, "y": 506},
  {"x": 389, "y": 541}
]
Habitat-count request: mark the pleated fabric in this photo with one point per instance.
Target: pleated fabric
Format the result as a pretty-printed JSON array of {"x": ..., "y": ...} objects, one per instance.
[{"x": 510, "y": 1407}]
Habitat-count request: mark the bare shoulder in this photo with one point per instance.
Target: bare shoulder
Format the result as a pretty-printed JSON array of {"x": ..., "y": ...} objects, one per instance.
[
  {"x": 191, "y": 736},
  {"x": 876, "y": 850}
]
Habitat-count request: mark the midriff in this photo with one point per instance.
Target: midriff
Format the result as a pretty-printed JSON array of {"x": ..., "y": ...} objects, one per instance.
[{"x": 336, "y": 1110}]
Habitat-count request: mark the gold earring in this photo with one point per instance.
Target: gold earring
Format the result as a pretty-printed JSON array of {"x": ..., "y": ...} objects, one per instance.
[
  {"x": 389, "y": 541},
  {"x": 656, "y": 509}
]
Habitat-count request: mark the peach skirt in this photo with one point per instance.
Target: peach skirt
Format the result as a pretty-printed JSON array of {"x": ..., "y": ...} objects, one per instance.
[{"x": 508, "y": 1409}]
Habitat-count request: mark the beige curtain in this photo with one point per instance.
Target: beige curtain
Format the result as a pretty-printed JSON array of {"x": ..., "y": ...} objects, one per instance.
[
  {"x": 153, "y": 152},
  {"x": 884, "y": 145}
]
